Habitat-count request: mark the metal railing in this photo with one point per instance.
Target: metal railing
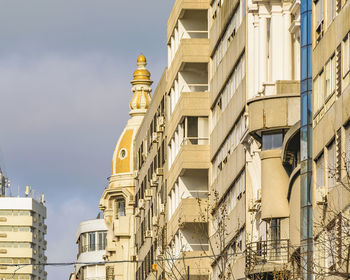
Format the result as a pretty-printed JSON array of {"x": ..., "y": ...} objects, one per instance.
[
  {"x": 195, "y": 141},
  {"x": 270, "y": 251}
]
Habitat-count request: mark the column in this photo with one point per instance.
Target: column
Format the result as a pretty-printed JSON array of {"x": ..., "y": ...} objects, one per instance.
[
  {"x": 276, "y": 42},
  {"x": 263, "y": 13},
  {"x": 287, "y": 55}
]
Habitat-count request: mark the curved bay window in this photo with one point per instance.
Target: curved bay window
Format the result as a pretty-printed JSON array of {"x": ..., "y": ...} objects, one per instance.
[{"x": 92, "y": 241}]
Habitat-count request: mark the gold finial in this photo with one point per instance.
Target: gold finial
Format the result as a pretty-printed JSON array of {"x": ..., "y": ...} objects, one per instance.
[
  {"x": 141, "y": 59},
  {"x": 141, "y": 74}
]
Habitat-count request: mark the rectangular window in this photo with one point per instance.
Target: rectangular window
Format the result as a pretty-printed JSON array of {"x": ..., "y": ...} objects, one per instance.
[
  {"x": 330, "y": 11},
  {"x": 319, "y": 12},
  {"x": 272, "y": 141},
  {"x": 320, "y": 171},
  {"x": 331, "y": 165},
  {"x": 346, "y": 56},
  {"x": 92, "y": 241},
  {"x": 120, "y": 207},
  {"x": 330, "y": 76},
  {"x": 347, "y": 148}
]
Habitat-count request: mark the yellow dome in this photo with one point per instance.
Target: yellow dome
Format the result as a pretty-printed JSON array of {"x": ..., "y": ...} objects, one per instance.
[{"x": 141, "y": 59}]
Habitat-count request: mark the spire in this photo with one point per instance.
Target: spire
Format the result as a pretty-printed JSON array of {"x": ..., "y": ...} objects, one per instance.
[{"x": 141, "y": 88}]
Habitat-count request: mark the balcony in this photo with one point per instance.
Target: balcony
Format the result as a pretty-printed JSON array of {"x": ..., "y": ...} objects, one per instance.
[
  {"x": 188, "y": 18},
  {"x": 195, "y": 267},
  {"x": 189, "y": 53},
  {"x": 190, "y": 211},
  {"x": 187, "y": 104},
  {"x": 267, "y": 256},
  {"x": 277, "y": 107},
  {"x": 189, "y": 157},
  {"x": 193, "y": 80}
]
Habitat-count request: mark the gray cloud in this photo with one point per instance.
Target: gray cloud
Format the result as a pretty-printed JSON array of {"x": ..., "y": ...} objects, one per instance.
[{"x": 65, "y": 68}]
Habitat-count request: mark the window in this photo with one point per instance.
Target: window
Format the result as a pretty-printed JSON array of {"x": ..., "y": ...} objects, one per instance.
[
  {"x": 120, "y": 207},
  {"x": 319, "y": 12},
  {"x": 330, "y": 11},
  {"x": 331, "y": 165},
  {"x": 272, "y": 141},
  {"x": 330, "y": 76},
  {"x": 225, "y": 40},
  {"x": 92, "y": 241},
  {"x": 102, "y": 240},
  {"x": 347, "y": 148},
  {"x": 231, "y": 142},
  {"x": 229, "y": 90},
  {"x": 275, "y": 229},
  {"x": 318, "y": 91},
  {"x": 320, "y": 171},
  {"x": 346, "y": 56}
]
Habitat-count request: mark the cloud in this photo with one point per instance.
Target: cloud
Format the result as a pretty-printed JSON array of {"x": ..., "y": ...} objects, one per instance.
[
  {"x": 61, "y": 233},
  {"x": 65, "y": 68}
]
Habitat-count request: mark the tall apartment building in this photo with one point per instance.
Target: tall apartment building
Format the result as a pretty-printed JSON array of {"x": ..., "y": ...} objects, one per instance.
[
  {"x": 22, "y": 238},
  {"x": 254, "y": 144},
  {"x": 91, "y": 239},
  {"x": 172, "y": 156},
  {"x": 330, "y": 120},
  {"x": 118, "y": 199}
]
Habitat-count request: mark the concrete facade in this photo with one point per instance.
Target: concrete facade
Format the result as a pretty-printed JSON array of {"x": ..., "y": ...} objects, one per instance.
[{"x": 22, "y": 238}]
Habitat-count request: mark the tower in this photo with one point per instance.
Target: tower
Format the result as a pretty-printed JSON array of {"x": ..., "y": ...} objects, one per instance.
[{"x": 118, "y": 200}]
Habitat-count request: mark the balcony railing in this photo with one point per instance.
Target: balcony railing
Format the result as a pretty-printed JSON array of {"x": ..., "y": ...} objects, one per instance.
[
  {"x": 195, "y": 141},
  {"x": 270, "y": 251}
]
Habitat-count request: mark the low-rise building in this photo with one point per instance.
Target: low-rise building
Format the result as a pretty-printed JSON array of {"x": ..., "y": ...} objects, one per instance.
[{"x": 91, "y": 240}]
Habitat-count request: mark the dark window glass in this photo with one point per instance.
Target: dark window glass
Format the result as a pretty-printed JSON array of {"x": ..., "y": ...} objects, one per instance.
[{"x": 272, "y": 141}]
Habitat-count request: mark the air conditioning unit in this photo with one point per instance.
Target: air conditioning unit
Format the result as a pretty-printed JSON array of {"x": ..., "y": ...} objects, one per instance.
[
  {"x": 161, "y": 121},
  {"x": 141, "y": 203},
  {"x": 155, "y": 221},
  {"x": 148, "y": 234},
  {"x": 133, "y": 258},
  {"x": 159, "y": 171},
  {"x": 137, "y": 212},
  {"x": 159, "y": 253},
  {"x": 160, "y": 129},
  {"x": 252, "y": 207},
  {"x": 154, "y": 137},
  {"x": 153, "y": 183},
  {"x": 162, "y": 209},
  {"x": 154, "y": 177},
  {"x": 148, "y": 193},
  {"x": 258, "y": 196},
  {"x": 322, "y": 199}
]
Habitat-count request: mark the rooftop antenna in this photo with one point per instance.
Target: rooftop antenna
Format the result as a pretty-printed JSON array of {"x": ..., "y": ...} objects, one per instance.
[{"x": 27, "y": 191}]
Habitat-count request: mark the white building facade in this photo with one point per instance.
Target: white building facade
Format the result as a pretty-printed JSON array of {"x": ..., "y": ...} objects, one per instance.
[
  {"x": 91, "y": 240},
  {"x": 22, "y": 238}
]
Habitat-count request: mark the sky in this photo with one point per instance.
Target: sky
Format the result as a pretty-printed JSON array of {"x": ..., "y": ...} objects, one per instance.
[{"x": 65, "y": 71}]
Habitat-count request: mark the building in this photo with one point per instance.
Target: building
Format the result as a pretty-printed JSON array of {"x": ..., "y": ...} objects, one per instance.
[
  {"x": 172, "y": 156},
  {"x": 118, "y": 200},
  {"x": 329, "y": 119},
  {"x": 91, "y": 239},
  {"x": 241, "y": 160},
  {"x": 22, "y": 238}
]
